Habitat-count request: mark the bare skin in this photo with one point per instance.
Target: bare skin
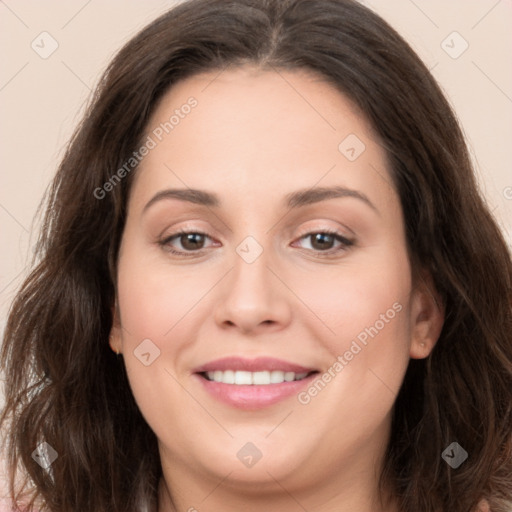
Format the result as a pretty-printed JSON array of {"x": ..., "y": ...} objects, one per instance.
[{"x": 253, "y": 138}]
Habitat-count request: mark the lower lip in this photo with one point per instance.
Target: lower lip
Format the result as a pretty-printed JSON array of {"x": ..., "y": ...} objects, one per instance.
[{"x": 252, "y": 397}]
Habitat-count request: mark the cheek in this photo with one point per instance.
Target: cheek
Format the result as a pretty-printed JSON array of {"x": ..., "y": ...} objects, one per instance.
[
  {"x": 154, "y": 304},
  {"x": 364, "y": 308},
  {"x": 371, "y": 290},
  {"x": 154, "y": 298}
]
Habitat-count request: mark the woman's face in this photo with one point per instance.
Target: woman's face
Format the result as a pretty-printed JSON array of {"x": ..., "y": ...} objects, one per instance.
[{"x": 298, "y": 270}]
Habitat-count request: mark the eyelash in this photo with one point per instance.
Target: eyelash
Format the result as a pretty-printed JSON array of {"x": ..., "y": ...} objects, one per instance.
[{"x": 346, "y": 243}]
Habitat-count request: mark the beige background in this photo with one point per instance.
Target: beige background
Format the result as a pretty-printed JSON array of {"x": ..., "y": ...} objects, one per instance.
[{"x": 41, "y": 99}]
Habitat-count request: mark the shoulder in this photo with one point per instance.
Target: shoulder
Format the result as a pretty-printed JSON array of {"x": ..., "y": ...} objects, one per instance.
[
  {"x": 483, "y": 506},
  {"x": 6, "y": 505}
]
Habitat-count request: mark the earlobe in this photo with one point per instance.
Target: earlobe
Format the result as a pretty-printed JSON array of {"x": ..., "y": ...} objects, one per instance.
[
  {"x": 427, "y": 318},
  {"x": 113, "y": 345}
]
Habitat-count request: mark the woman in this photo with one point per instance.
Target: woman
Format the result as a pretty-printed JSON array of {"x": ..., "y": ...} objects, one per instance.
[{"x": 270, "y": 216}]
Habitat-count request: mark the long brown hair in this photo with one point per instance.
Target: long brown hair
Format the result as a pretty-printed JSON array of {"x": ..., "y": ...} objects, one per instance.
[{"x": 65, "y": 387}]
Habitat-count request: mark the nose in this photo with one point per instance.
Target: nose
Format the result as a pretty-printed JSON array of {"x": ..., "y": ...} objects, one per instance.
[{"x": 253, "y": 298}]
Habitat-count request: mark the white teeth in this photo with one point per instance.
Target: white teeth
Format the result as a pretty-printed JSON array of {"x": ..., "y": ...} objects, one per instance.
[
  {"x": 276, "y": 377},
  {"x": 258, "y": 378},
  {"x": 261, "y": 378},
  {"x": 228, "y": 377},
  {"x": 243, "y": 378}
]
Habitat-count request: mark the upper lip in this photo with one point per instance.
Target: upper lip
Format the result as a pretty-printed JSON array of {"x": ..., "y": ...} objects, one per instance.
[{"x": 252, "y": 365}]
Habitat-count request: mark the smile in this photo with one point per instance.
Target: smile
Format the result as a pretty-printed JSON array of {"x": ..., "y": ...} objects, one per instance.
[{"x": 252, "y": 384}]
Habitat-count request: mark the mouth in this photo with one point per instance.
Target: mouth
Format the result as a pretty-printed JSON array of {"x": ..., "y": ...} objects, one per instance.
[{"x": 252, "y": 384}]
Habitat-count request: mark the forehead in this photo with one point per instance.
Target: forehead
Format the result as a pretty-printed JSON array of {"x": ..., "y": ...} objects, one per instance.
[
  {"x": 249, "y": 130},
  {"x": 260, "y": 103}
]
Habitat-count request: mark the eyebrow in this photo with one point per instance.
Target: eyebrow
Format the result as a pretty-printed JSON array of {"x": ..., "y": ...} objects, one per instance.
[{"x": 293, "y": 200}]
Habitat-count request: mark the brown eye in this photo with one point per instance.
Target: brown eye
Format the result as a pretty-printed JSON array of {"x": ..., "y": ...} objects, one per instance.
[
  {"x": 185, "y": 242},
  {"x": 191, "y": 241},
  {"x": 326, "y": 243},
  {"x": 322, "y": 241}
]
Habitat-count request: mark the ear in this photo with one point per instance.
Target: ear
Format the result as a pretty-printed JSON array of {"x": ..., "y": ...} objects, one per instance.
[
  {"x": 427, "y": 317},
  {"x": 115, "y": 340}
]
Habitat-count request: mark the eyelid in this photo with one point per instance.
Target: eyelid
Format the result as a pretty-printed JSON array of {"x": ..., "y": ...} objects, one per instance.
[
  {"x": 346, "y": 241},
  {"x": 176, "y": 236},
  {"x": 326, "y": 229}
]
